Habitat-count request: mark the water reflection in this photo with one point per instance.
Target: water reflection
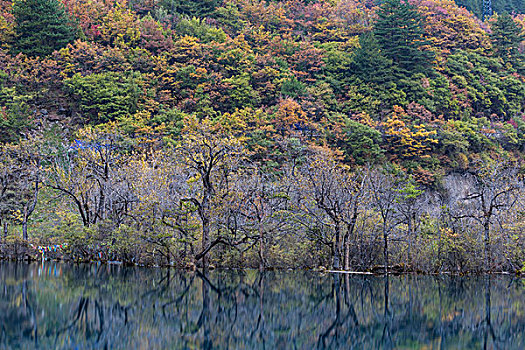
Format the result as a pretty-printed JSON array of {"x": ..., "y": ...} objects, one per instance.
[{"x": 100, "y": 306}]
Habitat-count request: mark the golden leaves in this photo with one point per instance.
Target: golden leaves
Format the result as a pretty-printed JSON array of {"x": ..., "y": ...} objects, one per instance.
[{"x": 408, "y": 140}]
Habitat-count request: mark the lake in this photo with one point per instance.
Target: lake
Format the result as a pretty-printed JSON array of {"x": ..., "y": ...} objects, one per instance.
[{"x": 64, "y": 306}]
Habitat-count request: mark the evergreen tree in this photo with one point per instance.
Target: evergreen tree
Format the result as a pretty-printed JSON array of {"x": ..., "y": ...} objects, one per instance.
[
  {"x": 42, "y": 26},
  {"x": 399, "y": 31},
  {"x": 361, "y": 143},
  {"x": 506, "y": 38},
  {"x": 474, "y": 6},
  {"x": 498, "y": 6},
  {"x": 197, "y": 8},
  {"x": 369, "y": 64}
]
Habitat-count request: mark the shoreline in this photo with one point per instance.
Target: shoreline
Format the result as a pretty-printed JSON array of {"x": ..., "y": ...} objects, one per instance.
[{"x": 320, "y": 270}]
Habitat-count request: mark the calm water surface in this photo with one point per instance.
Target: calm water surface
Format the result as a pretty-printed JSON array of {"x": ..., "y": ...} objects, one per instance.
[{"x": 62, "y": 306}]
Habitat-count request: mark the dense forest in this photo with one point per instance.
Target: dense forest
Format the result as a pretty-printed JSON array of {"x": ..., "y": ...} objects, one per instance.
[
  {"x": 498, "y": 6},
  {"x": 347, "y": 134}
]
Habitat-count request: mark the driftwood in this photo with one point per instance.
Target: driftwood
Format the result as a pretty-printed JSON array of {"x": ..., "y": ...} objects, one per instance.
[{"x": 350, "y": 272}]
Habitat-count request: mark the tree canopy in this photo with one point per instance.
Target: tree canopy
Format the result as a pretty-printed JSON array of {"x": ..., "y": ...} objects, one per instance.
[{"x": 41, "y": 27}]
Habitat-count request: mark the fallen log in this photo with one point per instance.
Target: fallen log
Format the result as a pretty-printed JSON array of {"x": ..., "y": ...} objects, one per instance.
[{"x": 350, "y": 272}]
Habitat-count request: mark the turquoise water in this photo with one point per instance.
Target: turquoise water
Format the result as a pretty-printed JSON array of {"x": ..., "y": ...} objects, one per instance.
[{"x": 62, "y": 306}]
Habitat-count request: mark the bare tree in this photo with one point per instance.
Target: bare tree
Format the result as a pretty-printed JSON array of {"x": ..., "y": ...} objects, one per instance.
[
  {"x": 384, "y": 194},
  {"x": 331, "y": 194},
  {"x": 20, "y": 180},
  {"x": 86, "y": 173},
  {"x": 154, "y": 188},
  {"x": 263, "y": 203},
  {"x": 408, "y": 209},
  {"x": 209, "y": 155},
  {"x": 495, "y": 190},
  {"x": 9, "y": 171}
]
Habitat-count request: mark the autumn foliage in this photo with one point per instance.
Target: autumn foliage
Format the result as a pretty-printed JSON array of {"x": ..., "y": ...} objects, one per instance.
[{"x": 424, "y": 86}]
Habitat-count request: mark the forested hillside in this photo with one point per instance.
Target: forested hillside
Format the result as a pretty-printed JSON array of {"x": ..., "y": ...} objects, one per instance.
[
  {"x": 270, "y": 133},
  {"x": 498, "y": 6}
]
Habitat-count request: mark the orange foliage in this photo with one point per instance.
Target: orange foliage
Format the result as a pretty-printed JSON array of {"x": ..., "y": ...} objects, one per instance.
[{"x": 288, "y": 115}]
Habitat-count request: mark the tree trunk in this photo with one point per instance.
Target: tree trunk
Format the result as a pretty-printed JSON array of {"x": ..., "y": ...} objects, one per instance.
[
  {"x": 346, "y": 244},
  {"x": 5, "y": 230},
  {"x": 205, "y": 241},
  {"x": 386, "y": 315},
  {"x": 440, "y": 242},
  {"x": 337, "y": 251},
  {"x": 204, "y": 211},
  {"x": 262, "y": 263},
  {"x": 29, "y": 208},
  {"x": 349, "y": 233},
  {"x": 410, "y": 236},
  {"x": 486, "y": 226},
  {"x": 24, "y": 224},
  {"x": 385, "y": 248}
]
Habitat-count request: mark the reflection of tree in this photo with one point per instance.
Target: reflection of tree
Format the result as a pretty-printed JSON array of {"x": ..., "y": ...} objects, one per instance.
[
  {"x": 488, "y": 326},
  {"x": 22, "y": 320},
  {"x": 490, "y": 337},
  {"x": 330, "y": 336},
  {"x": 204, "y": 318},
  {"x": 30, "y": 311},
  {"x": 386, "y": 337},
  {"x": 101, "y": 306}
]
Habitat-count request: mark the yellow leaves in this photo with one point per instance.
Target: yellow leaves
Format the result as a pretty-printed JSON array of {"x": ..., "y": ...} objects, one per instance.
[
  {"x": 364, "y": 118},
  {"x": 422, "y": 133},
  {"x": 6, "y": 32},
  {"x": 243, "y": 122},
  {"x": 199, "y": 73},
  {"x": 447, "y": 233},
  {"x": 137, "y": 125},
  {"x": 210, "y": 132},
  {"x": 235, "y": 121},
  {"x": 410, "y": 142},
  {"x": 240, "y": 43},
  {"x": 185, "y": 48},
  {"x": 61, "y": 174},
  {"x": 68, "y": 71},
  {"x": 261, "y": 37},
  {"x": 326, "y": 30},
  {"x": 193, "y": 179},
  {"x": 120, "y": 27},
  {"x": 351, "y": 44}
]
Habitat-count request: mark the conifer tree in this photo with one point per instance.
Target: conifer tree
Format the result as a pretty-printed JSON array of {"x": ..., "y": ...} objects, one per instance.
[
  {"x": 197, "y": 8},
  {"x": 399, "y": 31},
  {"x": 369, "y": 63},
  {"x": 41, "y": 26},
  {"x": 506, "y": 37}
]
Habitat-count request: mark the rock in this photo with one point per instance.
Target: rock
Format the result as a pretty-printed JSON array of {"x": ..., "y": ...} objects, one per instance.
[{"x": 54, "y": 117}]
